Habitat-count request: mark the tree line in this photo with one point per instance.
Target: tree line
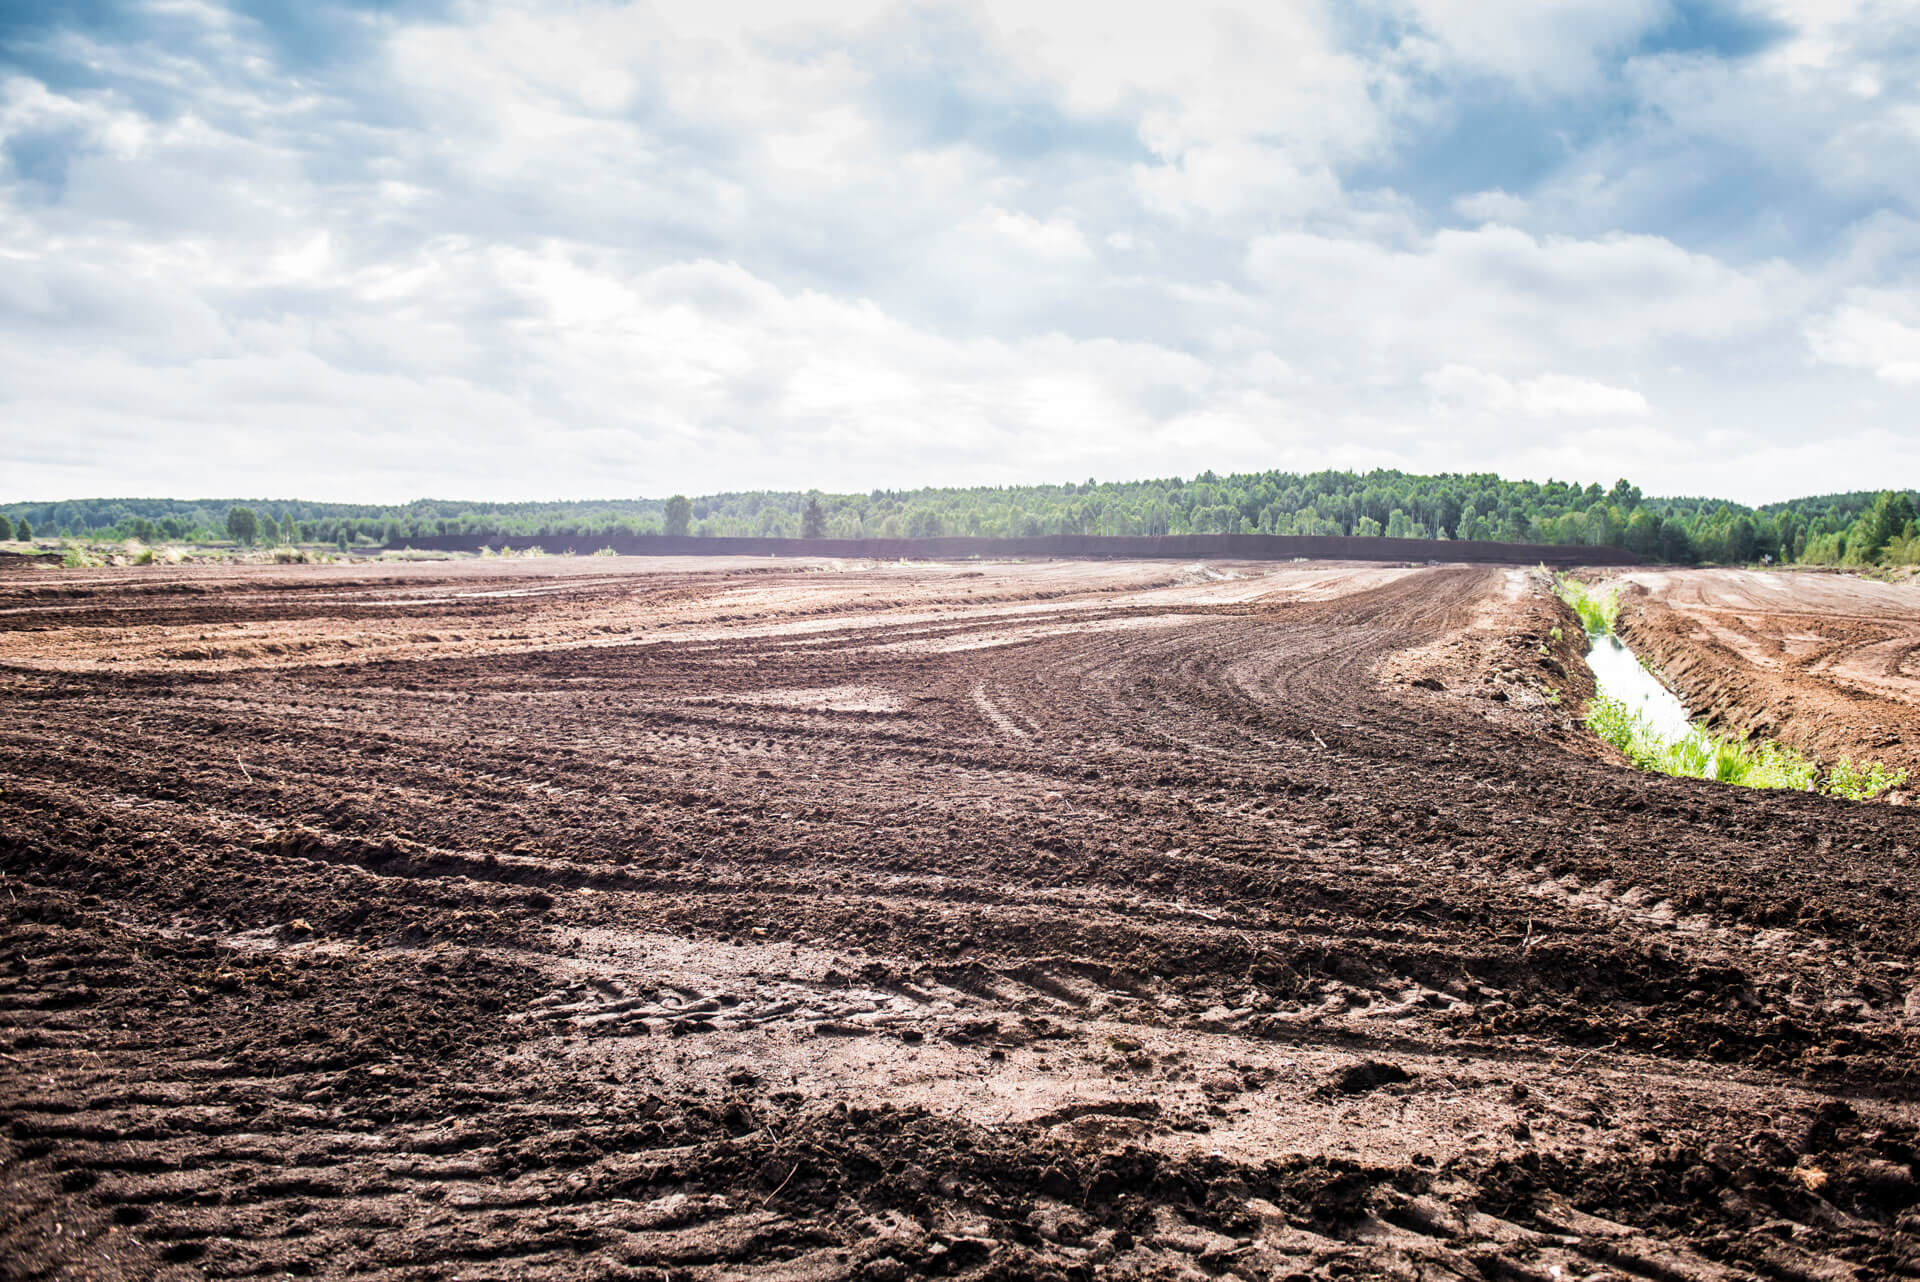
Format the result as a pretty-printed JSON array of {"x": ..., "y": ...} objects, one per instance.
[{"x": 1860, "y": 528}]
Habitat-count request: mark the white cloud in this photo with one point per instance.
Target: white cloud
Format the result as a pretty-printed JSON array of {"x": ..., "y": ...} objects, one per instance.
[
  {"x": 1464, "y": 388},
  {"x": 1054, "y": 238},
  {"x": 1237, "y": 178},
  {"x": 1499, "y": 296},
  {"x": 1547, "y": 46},
  {"x": 1494, "y": 207},
  {"x": 1866, "y": 338}
]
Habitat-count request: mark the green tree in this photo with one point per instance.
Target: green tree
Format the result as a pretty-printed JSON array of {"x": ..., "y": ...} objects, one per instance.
[
  {"x": 23, "y": 531},
  {"x": 6, "y": 529},
  {"x": 679, "y": 515},
  {"x": 813, "y": 522},
  {"x": 1675, "y": 544},
  {"x": 243, "y": 527},
  {"x": 269, "y": 530},
  {"x": 1643, "y": 533},
  {"x": 1471, "y": 524},
  {"x": 1887, "y": 519}
]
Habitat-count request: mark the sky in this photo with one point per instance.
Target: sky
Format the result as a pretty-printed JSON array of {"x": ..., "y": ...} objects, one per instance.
[{"x": 389, "y": 249}]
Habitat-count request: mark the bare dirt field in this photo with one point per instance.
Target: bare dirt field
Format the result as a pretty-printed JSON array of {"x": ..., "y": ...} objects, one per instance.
[{"x": 696, "y": 920}]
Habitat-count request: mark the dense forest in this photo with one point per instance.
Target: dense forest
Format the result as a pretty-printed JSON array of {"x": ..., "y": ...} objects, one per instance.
[{"x": 1860, "y": 528}]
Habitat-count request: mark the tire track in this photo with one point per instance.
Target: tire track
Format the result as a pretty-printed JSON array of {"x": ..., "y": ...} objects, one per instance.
[{"x": 661, "y": 959}]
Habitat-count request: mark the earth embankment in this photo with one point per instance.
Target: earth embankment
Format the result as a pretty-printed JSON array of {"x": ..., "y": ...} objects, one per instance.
[{"x": 1827, "y": 663}]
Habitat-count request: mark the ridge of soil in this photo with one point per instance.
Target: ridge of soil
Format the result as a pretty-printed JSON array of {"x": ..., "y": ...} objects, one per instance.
[
  {"x": 649, "y": 920},
  {"x": 1826, "y": 663}
]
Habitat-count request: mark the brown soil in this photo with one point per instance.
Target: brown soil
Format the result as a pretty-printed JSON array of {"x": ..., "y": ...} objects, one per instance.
[
  {"x": 661, "y": 920},
  {"x": 1828, "y": 663}
]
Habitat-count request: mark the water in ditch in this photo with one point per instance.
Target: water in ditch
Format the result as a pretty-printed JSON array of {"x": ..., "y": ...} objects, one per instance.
[{"x": 1621, "y": 676}]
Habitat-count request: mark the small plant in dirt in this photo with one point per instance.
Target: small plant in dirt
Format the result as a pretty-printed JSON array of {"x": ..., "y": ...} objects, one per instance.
[
  {"x": 1862, "y": 782},
  {"x": 1598, "y": 608}
]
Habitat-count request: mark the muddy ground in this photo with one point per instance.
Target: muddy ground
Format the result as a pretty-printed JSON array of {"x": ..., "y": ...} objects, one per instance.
[{"x": 652, "y": 919}]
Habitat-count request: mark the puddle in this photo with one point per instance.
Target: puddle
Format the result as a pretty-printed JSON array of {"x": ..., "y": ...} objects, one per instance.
[{"x": 1621, "y": 676}]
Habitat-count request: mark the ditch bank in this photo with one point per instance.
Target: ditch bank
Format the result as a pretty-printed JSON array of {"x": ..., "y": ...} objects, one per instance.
[
  {"x": 1738, "y": 673},
  {"x": 1518, "y": 663}
]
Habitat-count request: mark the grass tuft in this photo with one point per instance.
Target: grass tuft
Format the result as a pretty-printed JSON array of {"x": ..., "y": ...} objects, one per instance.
[
  {"x": 1701, "y": 755},
  {"x": 1598, "y": 608}
]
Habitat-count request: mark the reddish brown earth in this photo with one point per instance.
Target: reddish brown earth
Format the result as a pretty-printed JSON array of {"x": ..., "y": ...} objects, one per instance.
[
  {"x": 1828, "y": 663},
  {"x": 698, "y": 920}
]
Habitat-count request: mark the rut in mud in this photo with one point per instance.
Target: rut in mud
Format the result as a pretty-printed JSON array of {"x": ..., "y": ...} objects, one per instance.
[{"x": 846, "y": 921}]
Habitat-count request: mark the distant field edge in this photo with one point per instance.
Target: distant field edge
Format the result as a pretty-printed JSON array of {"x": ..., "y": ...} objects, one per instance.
[{"x": 1236, "y": 547}]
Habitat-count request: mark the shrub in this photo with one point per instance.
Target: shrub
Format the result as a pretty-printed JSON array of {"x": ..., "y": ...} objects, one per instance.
[{"x": 1863, "y": 782}]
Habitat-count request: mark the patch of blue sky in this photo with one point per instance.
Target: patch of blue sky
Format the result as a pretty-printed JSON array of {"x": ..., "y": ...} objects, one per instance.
[
  {"x": 49, "y": 42},
  {"x": 36, "y": 160},
  {"x": 1703, "y": 193},
  {"x": 24, "y": 22},
  {"x": 1718, "y": 30},
  {"x": 320, "y": 33},
  {"x": 1485, "y": 136}
]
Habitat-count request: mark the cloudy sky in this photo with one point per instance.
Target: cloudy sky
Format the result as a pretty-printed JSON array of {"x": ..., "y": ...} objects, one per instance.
[{"x": 382, "y": 250}]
